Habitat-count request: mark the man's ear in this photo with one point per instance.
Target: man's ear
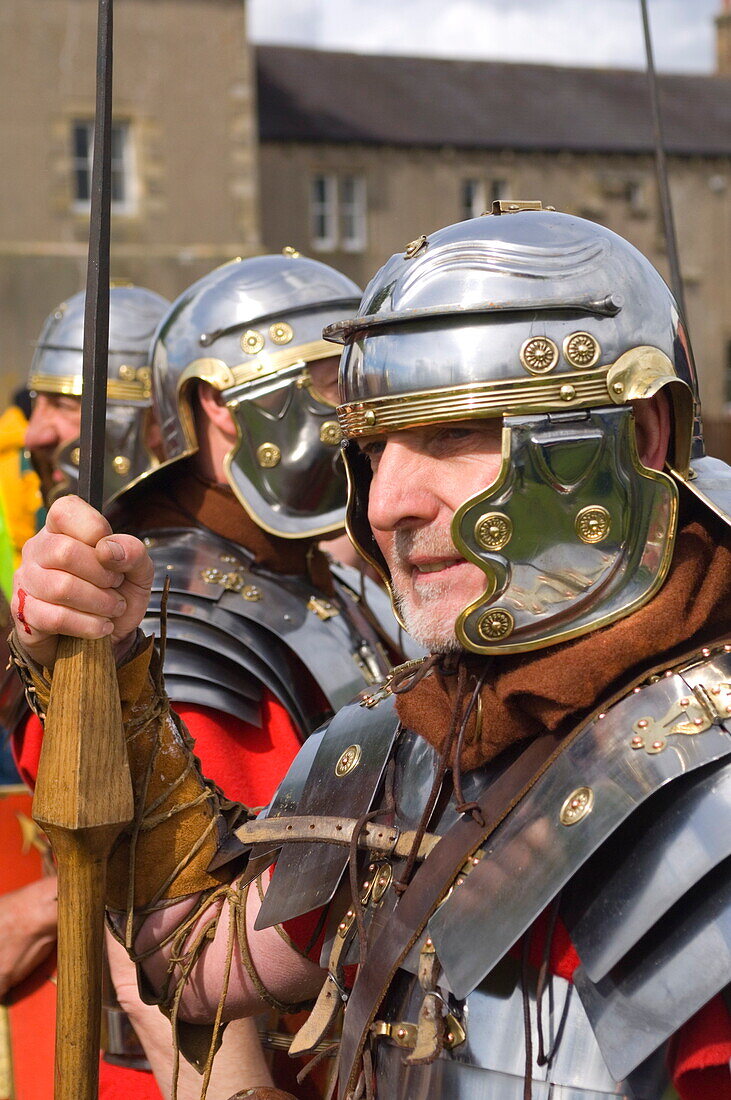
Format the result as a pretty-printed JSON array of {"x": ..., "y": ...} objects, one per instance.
[
  {"x": 653, "y": 426},
  {"x": 212, "y": 407}
]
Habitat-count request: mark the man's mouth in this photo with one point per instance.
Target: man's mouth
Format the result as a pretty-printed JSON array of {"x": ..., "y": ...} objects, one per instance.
[{"x": 436, "y": 566}]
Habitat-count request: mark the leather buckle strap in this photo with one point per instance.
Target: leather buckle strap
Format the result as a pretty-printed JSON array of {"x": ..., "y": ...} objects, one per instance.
[{"x": 421, "y": 897}]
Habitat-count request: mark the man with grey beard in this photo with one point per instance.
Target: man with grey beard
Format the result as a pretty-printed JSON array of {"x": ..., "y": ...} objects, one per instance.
[{"x": 499, "y": 862}]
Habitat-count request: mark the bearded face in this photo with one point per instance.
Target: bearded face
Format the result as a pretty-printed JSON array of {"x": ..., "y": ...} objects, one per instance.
[{"x": 420, "y": 478}]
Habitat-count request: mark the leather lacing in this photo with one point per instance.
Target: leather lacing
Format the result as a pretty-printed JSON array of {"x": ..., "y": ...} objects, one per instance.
[{"x": 544, "y": 1057}]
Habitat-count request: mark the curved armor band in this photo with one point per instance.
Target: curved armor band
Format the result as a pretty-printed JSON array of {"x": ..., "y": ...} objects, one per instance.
[{"x": 233, "y": 628}]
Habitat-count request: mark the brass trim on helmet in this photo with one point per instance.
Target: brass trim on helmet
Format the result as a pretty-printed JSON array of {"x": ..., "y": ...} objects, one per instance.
[
  {"x": 70, "y": 385},
  {"x": 510, "y": 397},
  {"x": 637, "y": 374},
  {"x": 223, "y": 377}
]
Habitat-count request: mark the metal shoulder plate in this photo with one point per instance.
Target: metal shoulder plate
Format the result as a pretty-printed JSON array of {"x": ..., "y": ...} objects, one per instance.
[
  {"x": 711, "y": 485},
  {"x": 335, "y": 774},
  {"x": 233, "y": 629},
  {"x": 641, "y": 789}
]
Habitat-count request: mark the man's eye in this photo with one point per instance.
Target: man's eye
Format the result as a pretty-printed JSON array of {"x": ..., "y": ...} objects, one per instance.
[{"x": 372, "y": 450}]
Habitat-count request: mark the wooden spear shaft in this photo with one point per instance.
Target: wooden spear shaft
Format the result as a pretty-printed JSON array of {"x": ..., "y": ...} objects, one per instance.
[{"x": 83, "y": 795}]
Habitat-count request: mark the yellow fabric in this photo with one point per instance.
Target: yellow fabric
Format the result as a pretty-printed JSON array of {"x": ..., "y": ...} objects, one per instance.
[{"x": 21, "y": 491}]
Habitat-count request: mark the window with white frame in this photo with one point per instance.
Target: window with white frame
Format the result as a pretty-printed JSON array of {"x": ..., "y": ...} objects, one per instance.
[
  {"x": 353, "y": 213},
  {"x": 324, "y": 211},
  {"x": 123, "y": 178},
  {"x": 338, "y": 213},
  {"x": 473, "y": 199}
]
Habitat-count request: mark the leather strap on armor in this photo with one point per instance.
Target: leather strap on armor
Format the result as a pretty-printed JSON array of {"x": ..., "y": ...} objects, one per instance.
[{"x": 424, "y": 892}]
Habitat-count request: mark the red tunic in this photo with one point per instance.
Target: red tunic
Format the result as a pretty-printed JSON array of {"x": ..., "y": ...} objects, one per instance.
[{"x": 245, "y": 761}]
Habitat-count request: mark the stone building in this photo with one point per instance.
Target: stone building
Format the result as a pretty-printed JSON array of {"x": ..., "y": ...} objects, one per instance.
[
  {"x": 185, "y": 177},
  {"x": 354, "y": 156},
  {"x": 360, "y": 154}
]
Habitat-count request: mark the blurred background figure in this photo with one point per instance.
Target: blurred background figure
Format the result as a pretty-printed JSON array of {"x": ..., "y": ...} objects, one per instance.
[{"x": 52, "y": 435}]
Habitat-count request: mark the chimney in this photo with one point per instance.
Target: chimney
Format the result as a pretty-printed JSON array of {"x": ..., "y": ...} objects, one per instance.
[{"x": 723, "y": 40}]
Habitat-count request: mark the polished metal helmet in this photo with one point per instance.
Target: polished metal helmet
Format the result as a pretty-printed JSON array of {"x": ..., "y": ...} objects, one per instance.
[
  {"x": 56, "y": 367},
  {"x": 250, "y": 329},
  {"x": 557, "y": 325}
]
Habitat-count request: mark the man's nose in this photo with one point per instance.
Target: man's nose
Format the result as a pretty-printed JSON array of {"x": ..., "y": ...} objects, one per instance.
[
  {"x": 41, "y": 430},
  {"x": 402, "y": 492}
]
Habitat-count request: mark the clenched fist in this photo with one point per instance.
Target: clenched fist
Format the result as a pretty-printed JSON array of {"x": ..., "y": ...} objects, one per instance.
[{"x": 79, "y": 578}]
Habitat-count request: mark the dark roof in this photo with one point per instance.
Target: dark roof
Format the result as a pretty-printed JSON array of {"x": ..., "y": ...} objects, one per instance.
[{"x": 319, "y": 96}]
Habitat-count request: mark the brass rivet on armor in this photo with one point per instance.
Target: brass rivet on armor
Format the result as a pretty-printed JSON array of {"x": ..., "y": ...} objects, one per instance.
[
  {"x": 577, "y": 806},
  {"x": 252, "y": 341},
  {"x": 251, "y": 593},
  {"x": 636, "y": 691},
  {"x": 382, "y": 883},
  {"x": 716, "y": 690},
  {"x": 567, "y": 393},
  {"x": 706, "y": 651},
  {"x": 290, "y": 250},
  {"x": 539, "y": 354},
  {"x": 602, "y": 715},
  {"x": 593, "y": 524},
  {"x": 657, "y": 745},
  {"x": 127, "y": 373},
  {"x": 495, "y": 624},
  {"x": 121, "y": 465},
  {"x": 493, "y": 530},
  {"x": 401, "y": 1033},
  {"x": 450, "y": 1037},
  {"x": 280, "y": 332},
  {"x": 428, "y": 942},
  {"x": 581, "y": 349},
  {"x": 642, "y": 724},
  {"x": 617, "y": 388},
  {"x": 637, "y": 742},
  {"x": 698, "y": 722},
  {"x": 413, "y": 248},
  {"x": 268, "y": 455},
  {"x": 685, "y": 701},
  {"x": 369, "y": 418},
  {"x": 331, "y": 433},
  {"x": 348, "y": 761},
  {"x": 144, "y": 375},
  {"x": 75, "y": 456}
]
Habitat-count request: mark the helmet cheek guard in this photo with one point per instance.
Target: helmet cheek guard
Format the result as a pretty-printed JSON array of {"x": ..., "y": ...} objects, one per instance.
[{"x": 574, "y": 533}]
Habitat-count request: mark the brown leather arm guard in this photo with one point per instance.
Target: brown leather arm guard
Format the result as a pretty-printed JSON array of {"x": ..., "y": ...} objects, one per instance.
[{"x": 180, "y": 817}]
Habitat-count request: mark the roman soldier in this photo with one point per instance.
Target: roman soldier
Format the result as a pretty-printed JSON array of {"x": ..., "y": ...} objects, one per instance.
[
  {"x": 508, "y": 862},
  {"x": 265, "y": 635}
]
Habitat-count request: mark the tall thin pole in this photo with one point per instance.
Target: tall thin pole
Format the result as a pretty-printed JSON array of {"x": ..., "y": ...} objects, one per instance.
[
  {"x": 676, "y": 280},
  {"x": 83, "y": 793}
]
